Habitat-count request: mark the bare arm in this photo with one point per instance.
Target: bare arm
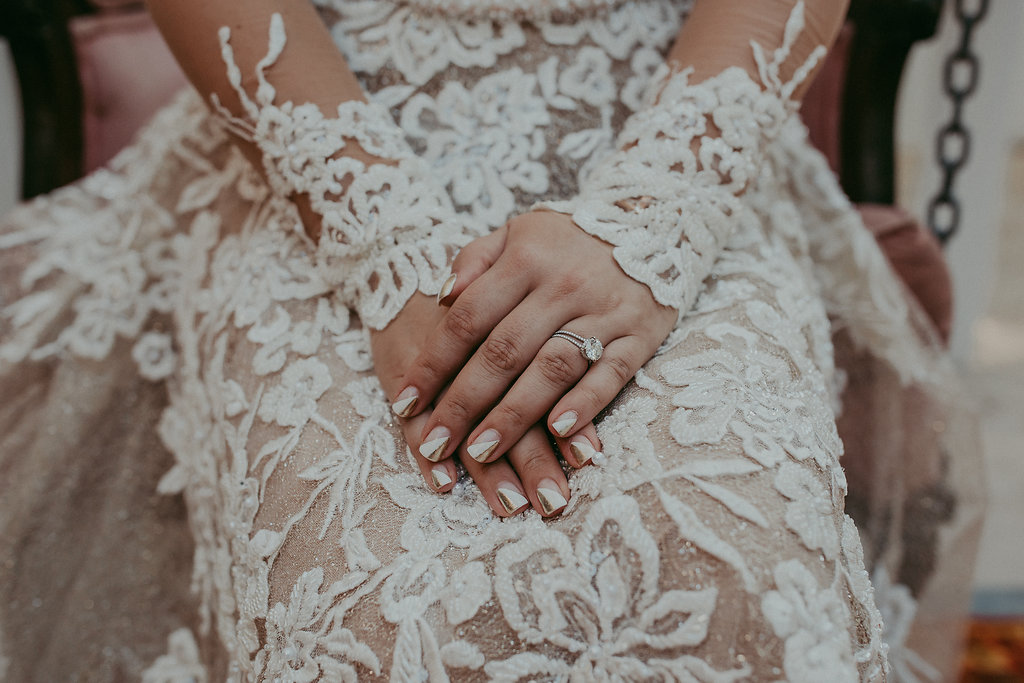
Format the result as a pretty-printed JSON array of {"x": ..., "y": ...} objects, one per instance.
[
  {"x": 717, "y": 35},
  {"x": 310, "y": 69}
]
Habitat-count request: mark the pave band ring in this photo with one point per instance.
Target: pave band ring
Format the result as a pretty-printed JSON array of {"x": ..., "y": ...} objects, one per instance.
[{"x": 590, "y": 347}]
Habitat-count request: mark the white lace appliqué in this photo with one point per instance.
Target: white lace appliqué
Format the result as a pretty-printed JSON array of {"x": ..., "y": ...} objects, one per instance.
[
  {"x": 387, "y": 231},
  {"x": 668, "y": 198}
]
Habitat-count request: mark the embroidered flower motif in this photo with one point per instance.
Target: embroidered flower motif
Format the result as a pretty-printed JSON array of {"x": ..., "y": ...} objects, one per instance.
[
  {"x": 810, "y": 511},
  {"x": 418, "y": 45},
  {"x": 467, "y": 591},
  {"x": 293, "y": 400},
  {"x": 154, "y": 355},
  {"x": 484, "y": 142},
  {"x": 589, "y": 78},
  {"x": 813, "y": 623},
  {"x": 739, "y": 389},
  {"x": 291, "y": 634},
  {"x": 601, "y": 603}
]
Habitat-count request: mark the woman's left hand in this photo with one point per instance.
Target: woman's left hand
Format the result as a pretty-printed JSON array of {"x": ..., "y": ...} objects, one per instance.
[{"x": 513, "y": 290}]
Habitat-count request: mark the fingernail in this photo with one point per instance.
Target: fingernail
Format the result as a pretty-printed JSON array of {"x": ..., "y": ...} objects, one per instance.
[
  {"x": 584, "y": 450},
  {"x": 437, "y": 440},
  {"x": 484, "y": 445},
  {"x": 510, "y": 498},
  {"x": 439, "y": 477},
  {"x": 405, "y": 402},
  {"x": 564, "y": 422},
  {"x": 447, "y": 287},
  {"x": 550, "y": 497}
]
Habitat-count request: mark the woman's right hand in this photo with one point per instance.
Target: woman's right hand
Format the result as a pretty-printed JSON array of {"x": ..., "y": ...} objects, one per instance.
[{"x": 528, "y": 474}]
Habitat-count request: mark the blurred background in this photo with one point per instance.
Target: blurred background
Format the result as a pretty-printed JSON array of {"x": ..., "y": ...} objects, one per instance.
[{"x": 986, "y": 257}]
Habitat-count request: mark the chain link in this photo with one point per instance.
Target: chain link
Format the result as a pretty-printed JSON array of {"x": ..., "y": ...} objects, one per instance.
[{"x": 953, "y": 143}]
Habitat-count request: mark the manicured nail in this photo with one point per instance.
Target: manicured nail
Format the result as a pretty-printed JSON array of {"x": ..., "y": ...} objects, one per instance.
[
  {"x": 584, "y": 450},
  {"x": 405, "y": 402},
  {"x": 439, "y": 477},
  {"x": 510, "y": 498},
  {"x": 484, "y": 445},
  {"x": 564, "y": 422},
  {"x": 551, "y": 499},
  {"x": 447, "y": 287},
  {"x": 437, "y": 440}
]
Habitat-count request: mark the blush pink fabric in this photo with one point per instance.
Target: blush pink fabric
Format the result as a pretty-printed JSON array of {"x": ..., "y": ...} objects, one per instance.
[{"x": 127, "y": 73}]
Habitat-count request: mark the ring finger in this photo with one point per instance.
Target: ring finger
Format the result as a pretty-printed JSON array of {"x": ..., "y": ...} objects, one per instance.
[
  {"x": 541, "y": 386},
  {"x": 510, "y": 348}
]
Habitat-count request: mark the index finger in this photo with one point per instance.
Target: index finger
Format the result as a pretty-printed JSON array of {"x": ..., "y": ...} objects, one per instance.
[{"x": 469, "y": 321}]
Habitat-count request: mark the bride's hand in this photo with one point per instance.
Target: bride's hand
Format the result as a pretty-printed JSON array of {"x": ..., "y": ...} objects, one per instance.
[
  {"x": 529, "y": 474},
  {"x": 513, "y": 290}
]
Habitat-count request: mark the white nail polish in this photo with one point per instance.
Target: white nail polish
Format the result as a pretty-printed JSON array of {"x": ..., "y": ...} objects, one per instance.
[
  {"x": 565, "y": 422},
  {"x": 511, "y": 499},
  {"x": 484, "y": 445},
  {"x": 433, "y": 448},
  {"x": 551, "y": 499},
  {"x": 405, "y": 403},
  {"x": 598, "y": 458},
  {"x": 447, "y": 287},
  {"x": 583, "y": 450},
  {"x": 439, "y": 477}
]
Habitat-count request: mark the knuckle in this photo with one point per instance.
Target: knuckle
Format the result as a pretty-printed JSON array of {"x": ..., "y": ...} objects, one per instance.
[
  {"x": 557, "y": 369},
  {"x": 510, "y": 416},
  {"x": 589, "y": 396},
  {"x": 455, "y": 409},
  {"x": 535, "y": 463},
  {"x": 569, "y": 283},
  {"x": 460, "y": 324},
  {"x": 501, "y": 353},
  {"x": 620, "y": 369}
]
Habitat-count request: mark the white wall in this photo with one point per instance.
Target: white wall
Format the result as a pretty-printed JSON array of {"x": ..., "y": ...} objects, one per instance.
[{"x": 995, "y": 117}]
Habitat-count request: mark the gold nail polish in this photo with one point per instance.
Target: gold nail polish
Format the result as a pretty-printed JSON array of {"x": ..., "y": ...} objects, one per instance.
[
  {"x": 433, "y": 450},
  {"x": 582, "y": 450},
  {"x": 405, "y": 407},
  {"x": 511, "y": 500},
  {"x": 439, "y": 477},
  {"x": 550, "y": 500},
  {"x": 565, "y": 422},
  {"x": 446, "y": 288},
  {"x": 481, "y": 451}
]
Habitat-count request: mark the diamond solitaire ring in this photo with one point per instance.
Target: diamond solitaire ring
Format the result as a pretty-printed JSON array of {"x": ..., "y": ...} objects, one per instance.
[{"x": 590, "y": 347}]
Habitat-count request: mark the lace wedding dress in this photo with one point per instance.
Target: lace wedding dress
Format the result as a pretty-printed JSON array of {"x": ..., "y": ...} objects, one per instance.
[{"x": 171, "y": 301}]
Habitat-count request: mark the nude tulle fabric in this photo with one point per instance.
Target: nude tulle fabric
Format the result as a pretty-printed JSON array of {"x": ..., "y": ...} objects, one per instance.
[{"x": 163, "y": 330}]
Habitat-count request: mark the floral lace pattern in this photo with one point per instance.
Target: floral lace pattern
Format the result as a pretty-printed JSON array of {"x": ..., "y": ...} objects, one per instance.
[
  {"x": 711, "y": 545},
  {"x": 666, "y": 199},
  {"x": 386, "y": 230}
]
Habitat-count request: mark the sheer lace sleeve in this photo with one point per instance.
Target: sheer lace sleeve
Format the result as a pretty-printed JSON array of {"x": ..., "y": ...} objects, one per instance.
[
  {"x": 669, "y": 198},
  {"x": 387, "y": 231}
]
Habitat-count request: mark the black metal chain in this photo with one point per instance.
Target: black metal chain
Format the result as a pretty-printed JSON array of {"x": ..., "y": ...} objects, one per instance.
[{"x": 953, "y": 143}]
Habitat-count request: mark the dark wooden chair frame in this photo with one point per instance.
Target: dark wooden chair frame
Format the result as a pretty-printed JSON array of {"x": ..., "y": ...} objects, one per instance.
[{"x": 51, "y": 95}]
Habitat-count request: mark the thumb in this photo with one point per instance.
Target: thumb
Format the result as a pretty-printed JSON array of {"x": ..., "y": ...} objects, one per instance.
[{"x": 472, "y": 261}]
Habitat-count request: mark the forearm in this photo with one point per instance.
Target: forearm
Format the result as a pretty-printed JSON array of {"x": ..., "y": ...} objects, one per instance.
[
  {"x": 308, "y": 70},
  {"x": 272, "y": 72},
  {"x": 718, "y": 35},
  {"x": 669, "y": 199}
]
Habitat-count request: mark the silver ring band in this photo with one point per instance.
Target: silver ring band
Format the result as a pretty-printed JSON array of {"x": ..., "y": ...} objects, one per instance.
[{"x": 590, "y": 347}]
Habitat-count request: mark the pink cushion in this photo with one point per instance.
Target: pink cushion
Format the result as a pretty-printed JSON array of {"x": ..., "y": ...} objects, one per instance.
[
  {"x": 127, "y": 74},
  {"x": 914, "y": 253},
  {"x": 917, "y": 258},
  {"x": 821, "y": 108}
]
